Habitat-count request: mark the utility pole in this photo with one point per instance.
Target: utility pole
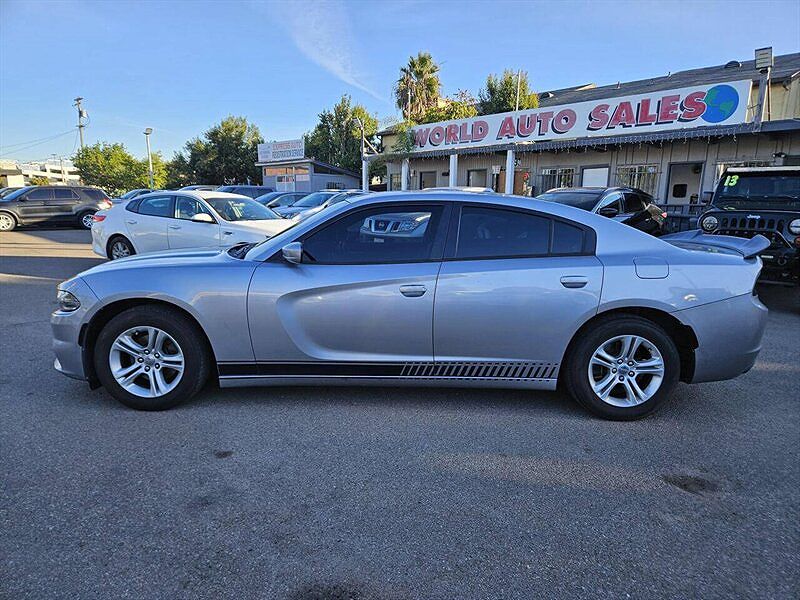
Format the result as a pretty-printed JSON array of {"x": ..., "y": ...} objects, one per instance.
[
  {"x": 81, "y": 115},
  {"x": 147, "y": 133},
  {"x": 519, "y": 77}
]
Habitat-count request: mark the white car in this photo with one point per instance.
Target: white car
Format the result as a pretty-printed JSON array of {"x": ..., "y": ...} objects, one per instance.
[{"x": 182, "y": 219}]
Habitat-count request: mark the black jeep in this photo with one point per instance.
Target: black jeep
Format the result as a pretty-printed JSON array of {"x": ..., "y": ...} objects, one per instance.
[{"x": 765, "y": 200}]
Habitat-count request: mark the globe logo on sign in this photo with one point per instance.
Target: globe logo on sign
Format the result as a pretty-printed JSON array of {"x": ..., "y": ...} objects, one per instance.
[{"x": 721, "y": 102}]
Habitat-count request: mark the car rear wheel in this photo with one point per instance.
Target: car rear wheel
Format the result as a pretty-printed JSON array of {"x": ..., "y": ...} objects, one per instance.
[
  {"x": 85, "y": 219},
  {"x": 624, "y": 368},
  {"x": 119, "y": 247},
  {"x": 151, "y": 358},
  {"x": 7, "y": 222}
]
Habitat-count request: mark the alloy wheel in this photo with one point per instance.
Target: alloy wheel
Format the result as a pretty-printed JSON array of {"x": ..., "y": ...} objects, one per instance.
[
  {"x": 6, "y": 222},
  {"x": 626, "y": 370},
  {"x": 119, "y": 249},
  {"x": 87, "y": 220},
  {"x": 146, "y": 361}
]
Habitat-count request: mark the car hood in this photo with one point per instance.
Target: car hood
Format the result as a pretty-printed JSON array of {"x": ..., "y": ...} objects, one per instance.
[
  {"x": 268, "y": 227},
  {"x": 167, "y": 258}
]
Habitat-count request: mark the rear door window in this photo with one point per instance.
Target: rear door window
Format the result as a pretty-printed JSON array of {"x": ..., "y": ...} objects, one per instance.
[
  {"x": 64, "y": 194},
  {"x": 40, "y": 194},
  {"x": 499, "y": 233},
  {"x": 157, "y": 206}
]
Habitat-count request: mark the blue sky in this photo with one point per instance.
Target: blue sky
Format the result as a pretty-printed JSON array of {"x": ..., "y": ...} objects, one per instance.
[{"x": 181, "y": 66}]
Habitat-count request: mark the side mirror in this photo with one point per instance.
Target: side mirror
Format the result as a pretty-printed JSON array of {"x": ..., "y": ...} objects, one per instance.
[
  {"x": 293, "y": 253},
  {"x": 608, "y": 211},
  {"x": 203, "y": 218}
]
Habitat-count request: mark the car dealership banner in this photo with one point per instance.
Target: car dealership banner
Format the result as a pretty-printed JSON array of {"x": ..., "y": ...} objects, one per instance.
[
  {"x": 278, "y": 151},
  {"x": 697, "y": 106}
]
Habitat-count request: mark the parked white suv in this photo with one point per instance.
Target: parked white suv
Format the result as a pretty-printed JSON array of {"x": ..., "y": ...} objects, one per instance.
[{"x": 183, "y": 219}]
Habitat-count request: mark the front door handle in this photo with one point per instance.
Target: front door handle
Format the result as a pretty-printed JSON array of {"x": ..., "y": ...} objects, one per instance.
[
  {"x": 174, "y": 226},
  {"x": 413, "y": 291},
  {"x": 574, "y": 281},
  {"x": 227, "y": 233},
  {"x": 131, "y": 222}
]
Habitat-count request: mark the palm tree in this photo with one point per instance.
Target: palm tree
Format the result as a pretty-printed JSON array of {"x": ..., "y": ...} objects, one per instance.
[{"x": 418, "y": 87}]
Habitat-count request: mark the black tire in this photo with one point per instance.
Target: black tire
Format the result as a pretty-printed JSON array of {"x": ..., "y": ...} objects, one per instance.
[
  {"x": 8, "y": 222},
  {"x": 577, "y": 366},
  {"x": 196, "y": 357},
  {"x": 83, "y": 223},
  {"x": 123, "y": 241}
]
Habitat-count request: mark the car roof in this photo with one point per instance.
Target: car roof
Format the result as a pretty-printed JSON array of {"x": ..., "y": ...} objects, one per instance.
[
  {"x": 206, "y": 194},
  {"x": 762, "y": 169}
]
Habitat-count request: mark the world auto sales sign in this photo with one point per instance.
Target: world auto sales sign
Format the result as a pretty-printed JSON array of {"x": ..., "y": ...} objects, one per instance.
[{"x": 699, "y": 106}]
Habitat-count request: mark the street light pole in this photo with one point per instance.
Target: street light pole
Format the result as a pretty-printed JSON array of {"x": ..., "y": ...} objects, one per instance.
[
  {"x": 364, "y": 161},
  {"x": 147, "y": 133}
]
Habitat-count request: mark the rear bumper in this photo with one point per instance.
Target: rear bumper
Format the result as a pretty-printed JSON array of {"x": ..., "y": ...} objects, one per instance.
[{"x": 729, "y": 336}]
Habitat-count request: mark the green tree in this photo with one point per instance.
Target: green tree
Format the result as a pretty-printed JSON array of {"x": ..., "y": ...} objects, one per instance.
[
  {"x": 226, "y": 153},
  {"x": 39, "y": 180},
  {"x": 114, "y": 169},
  {"x": 336, "y": 139},
  {"x": 500, "y": 93},
  {"x": 460, "y": 106},
  {"x": 418, "y": 87}
]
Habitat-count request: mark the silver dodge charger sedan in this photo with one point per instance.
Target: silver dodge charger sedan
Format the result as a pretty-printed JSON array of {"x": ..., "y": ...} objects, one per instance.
[{"x": 435, "y": 288}]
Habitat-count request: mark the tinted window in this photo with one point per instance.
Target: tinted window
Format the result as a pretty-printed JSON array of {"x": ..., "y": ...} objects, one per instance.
[
  {"x": 567, "y": 239},
  {"x": 64, "y": 194},
  {"x": 582, "y": 200},
  {"x": 40, "y": 194},
  {"x": 387, "y": 234},
  {"x": 241, "y": 209},
  {"x": 632, "y": 202},
  {"x": 186, "y": 208},
  {"x": 314, "y": 199},
  {"x": 158, "y": 206},
  {"x": 96, "y": 194},
  {"x": 613, "y": 201},
  {"x": 497, "y": 233}
]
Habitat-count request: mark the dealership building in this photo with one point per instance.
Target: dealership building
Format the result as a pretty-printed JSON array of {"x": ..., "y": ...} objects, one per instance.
[
  {"x": 285, "y": 168},
  {"x": 671, "y": 136}
]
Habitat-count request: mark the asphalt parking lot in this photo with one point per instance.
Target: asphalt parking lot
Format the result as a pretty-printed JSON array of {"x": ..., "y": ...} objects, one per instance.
[{"x": 379, "y": 493}]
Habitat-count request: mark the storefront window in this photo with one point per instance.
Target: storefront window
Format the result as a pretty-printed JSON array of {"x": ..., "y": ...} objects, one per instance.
[
  {"x": 394, "y": 182},
  {"x": 557, "y": 177},
  {"x": 476, "y": 178},
  {"x": 644, "y": 177}
]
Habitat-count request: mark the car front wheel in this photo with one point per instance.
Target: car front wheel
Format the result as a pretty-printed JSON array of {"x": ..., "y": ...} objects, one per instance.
[
  {"x": 624, "y": 368},
  {"x": 151, "y": 358},
  {"x": 7, "y": 222}
]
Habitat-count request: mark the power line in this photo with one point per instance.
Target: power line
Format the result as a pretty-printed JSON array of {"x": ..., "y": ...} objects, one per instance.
[
  {"x": 44, "y": 139},
  {"x": 39, "y": 143}
]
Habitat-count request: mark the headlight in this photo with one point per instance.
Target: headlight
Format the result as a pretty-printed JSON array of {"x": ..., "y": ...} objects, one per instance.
[
  {"x": 794, "y": 227},
  {"x": 67, "y": 302},
  {"x": 709, "y": 223}
]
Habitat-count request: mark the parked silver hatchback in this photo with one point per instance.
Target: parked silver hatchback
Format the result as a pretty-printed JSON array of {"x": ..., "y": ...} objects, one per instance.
[{"x": 434, "y": 288}]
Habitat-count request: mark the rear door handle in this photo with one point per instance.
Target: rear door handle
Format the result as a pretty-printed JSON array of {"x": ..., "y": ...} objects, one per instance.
[
  {"x": 174, "y": 226},
  {"x": 574, "y": 281},
  {"x": 131, "y": 222},
  {"x": 413, "y": 291},
  {"x": 227, "y": 233}
]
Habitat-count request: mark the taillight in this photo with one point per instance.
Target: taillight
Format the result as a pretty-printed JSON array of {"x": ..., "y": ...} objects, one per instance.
[
  {"x": 98, "y": 218},
  {"x": 105, "y": 204},
  {"x": 663, "y": 214}
]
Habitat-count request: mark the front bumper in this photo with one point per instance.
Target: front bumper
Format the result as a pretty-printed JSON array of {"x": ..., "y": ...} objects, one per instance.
[
  {"x": 781, "y": 265},
  {"x": 66, "y": 328},
  {"x": 729, "y": 336}
]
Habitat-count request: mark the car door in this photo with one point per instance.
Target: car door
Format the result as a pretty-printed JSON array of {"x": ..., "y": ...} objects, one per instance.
[
  {"x": 148, "y": 226},
  {"x": 61, "y": 204},
  {"x": 32, "y": 206},
  {"x": 361, "y": 300},
  {"x": 185, "y": 233},
  {"x": 513, "y": 288}
]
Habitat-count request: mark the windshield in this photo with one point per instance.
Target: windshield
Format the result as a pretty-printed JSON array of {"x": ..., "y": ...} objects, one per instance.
[
  {"x": 131, "y": 194},
  {"x": 758, "y": 191},
  {"x": 241, "y": 209},
  {"x": 314, "y": 199},
  {"x": 582, "y": 200}
]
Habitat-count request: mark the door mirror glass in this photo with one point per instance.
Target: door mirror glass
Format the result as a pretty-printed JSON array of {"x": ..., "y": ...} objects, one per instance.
[
  {"x": 203, "y": 218},
  {"x": 293, "y": 253},
  {"x": 608, "y": 211}
]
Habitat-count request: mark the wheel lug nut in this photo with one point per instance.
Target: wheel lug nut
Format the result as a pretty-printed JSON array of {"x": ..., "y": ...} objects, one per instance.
[
  {"x": 158, "y": 366},
  {"x": 147, "y": 368},
  {"x": 140, "y": 359},
  {"x": 630, "y": 363},
  {"x": 147, "y": 351},
  {"x": 613, "y": 370},
  {"x": 621, "y": 378},
  {"x": 158, "y": 355}
]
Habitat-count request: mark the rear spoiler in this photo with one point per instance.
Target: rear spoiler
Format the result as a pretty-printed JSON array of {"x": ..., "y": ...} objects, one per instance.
[{"x": 749, "y": 248}]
